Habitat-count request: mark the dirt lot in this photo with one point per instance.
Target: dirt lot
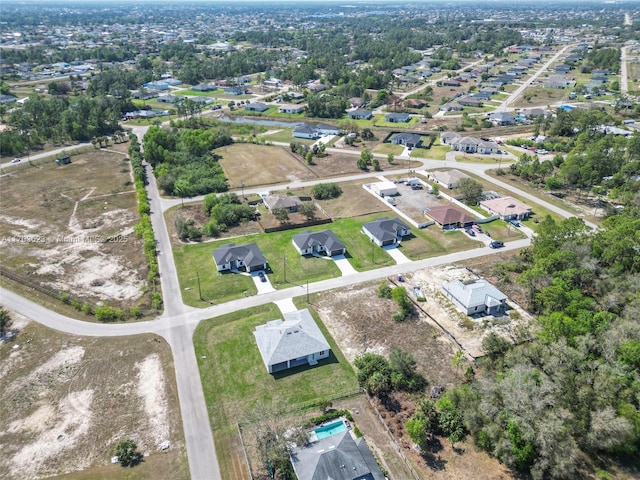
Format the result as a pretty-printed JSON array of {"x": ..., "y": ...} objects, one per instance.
[
  {"x": 361, "y": 322},
  {"x": 66, "y": 401},
  {"x": 413, "y": 202},
  {"x": 71, "y": 227}
]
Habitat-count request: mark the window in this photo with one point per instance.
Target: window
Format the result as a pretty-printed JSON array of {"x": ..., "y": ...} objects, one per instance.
[{"x": 321, "y": 353}]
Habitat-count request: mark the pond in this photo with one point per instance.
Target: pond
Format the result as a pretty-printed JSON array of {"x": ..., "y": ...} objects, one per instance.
[{"x": 255, "y": 121}]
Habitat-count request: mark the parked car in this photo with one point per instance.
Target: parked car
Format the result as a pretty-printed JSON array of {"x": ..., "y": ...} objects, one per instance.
[
  {"x": 543, "y": 151},
  {"x": 16, "y": 160},
  {"x": 216, "y": 107},
  {"x": 470, "y": 232},
  {"x": 400, "y": 278},
  {"x": 515, "y": 223},
  {"x": 262, "y": 277},
  {"x": 496, "y": 244}
]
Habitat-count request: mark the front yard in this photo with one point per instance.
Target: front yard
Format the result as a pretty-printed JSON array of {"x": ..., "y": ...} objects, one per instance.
[{"x": 237, "y": 385}]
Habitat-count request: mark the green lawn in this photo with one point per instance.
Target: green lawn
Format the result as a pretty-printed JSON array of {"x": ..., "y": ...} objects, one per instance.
[
  {"x": 433, "y": 241},
  {"x": 436, "y": 152},
  {"x": 388, "y": 148},
  {"x": 197, "y": 93},
  {"x": 361, "y": 252},
  {"x": 500, "y": 230},
  {"x": 379, "y": 121},
  {"x": 196, "y": 260},
  {"x": 235, "y": 380}
]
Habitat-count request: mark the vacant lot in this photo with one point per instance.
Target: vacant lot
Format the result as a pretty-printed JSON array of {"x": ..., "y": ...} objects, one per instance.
[
  {"x": 256, "y": 165},
  {"x": 71, "y": 228},
  {"x": 538, "y": 96},
  {"x": 66, "y": 401},
  {"x": 236, "y": 386}
]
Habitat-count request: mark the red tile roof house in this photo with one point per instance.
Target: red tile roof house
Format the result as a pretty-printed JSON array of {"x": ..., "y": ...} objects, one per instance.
[
  {"x": 449, "y": 217},
  {"x": 508, "y": 208}
]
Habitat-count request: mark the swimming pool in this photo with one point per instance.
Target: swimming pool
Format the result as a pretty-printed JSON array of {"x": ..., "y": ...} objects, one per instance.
[{"x": 331, "y": 429}]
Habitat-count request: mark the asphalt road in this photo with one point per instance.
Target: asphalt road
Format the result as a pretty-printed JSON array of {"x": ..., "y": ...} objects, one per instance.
[{"x": 48, "y": 153}]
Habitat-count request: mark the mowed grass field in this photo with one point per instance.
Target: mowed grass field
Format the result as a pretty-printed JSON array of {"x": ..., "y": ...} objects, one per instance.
[
  {"x": 65, "y": 401},
  {"x": 236, "y": 382},
  {"x": 256, "y": 165}
]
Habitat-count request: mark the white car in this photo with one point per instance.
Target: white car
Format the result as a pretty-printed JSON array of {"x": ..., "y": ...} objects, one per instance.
[
  {"x": 16, "y": 160},
  {"x": 543, "y": 152}
]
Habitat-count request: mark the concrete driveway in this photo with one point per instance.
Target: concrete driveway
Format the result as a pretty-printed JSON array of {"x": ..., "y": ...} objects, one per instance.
[
  {"x": 263, "y": 287},
  {"x": 396, "y": 254},
  {"x": 343, "y": 264}
]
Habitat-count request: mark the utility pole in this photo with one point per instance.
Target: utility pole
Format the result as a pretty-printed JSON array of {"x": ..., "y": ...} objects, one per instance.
[
  {"x": 372, "y": 248},
  {"x": 307, "y": 291},
  {"x": 242, "y": 189},
  {"x": 199, "y": 290},
  {"x": 284, "y": 269}
]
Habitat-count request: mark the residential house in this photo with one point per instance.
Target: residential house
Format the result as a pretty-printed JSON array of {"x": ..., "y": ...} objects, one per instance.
[
  {"x": 386, "y": 231},
  {"x": 235, "y": 90},
  {"x": 292, "y": 109},
  {"x": 507, "y": 208},
  {"x": 4, "y": 99},
  {"x": 336, "y": 457},
  {"x": 170, "y": 98},
  {"x": 355, "y": 102},
  {"x": 157, "y": 86},
  {"x": 415, "y": 103},
  {"x": 397, "y": 117},
  {"x": 449, "y": 217},
  {"x": 288, "y": 202},
  {"x": 204, "y": 87},
  {"x": 449, "y": 136},
  {"x": 291, "y": 342},
  {"x": 469, "y": 101},
  {"x": 317, "y": 87},
  {"x": 483, "y": 96},
  {"x": 256, "y": 107},
  {"x": 305, "y": 131},
  {"x": 273, "y": 83},
  {"x": 235, "y": 257},
  {"x": 562, "y": 69},
  {"x": 323, "y": 242},
  {"x": 324, "y": 130},
  {"x": 360, "y": 114},
  {"x": 451, "y": 107},
  {"x": 476, "y": 297},
  {"x": 535, "y": 112},
  {"x": 502, "y": 118},
  {"x": 447, "y": 178},
  {"x": 142, "y": 95},
  {"x": 407, "y": 139}
]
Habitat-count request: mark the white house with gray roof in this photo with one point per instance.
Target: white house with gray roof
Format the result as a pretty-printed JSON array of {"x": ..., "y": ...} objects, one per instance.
[
  {"x": 234, "y": 257},
  {"x": 336, "y": 457},
  {"x": 325, "y": 241},
  {"x": 291, "y": 342},
  {"x": 386, "y": 231},
  {"x": 475, "y": 297}
]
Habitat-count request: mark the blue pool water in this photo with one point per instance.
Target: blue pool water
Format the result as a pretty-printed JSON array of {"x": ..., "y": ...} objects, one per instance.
[
  {"x": 566, "y": 108},
  {"x": 331, "y": 429}
]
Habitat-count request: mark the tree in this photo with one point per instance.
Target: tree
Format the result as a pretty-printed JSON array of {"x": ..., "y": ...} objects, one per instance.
[
  {"x": 471, "y": 191},
  {"x": 324, "y": 191},
  {"x": 376, "y": 164},
  {"x": 458, "y": 360},
  {"x": 390, "y": 159},
  {"x": 309, "y": 157},
  {"x": 365, "y": 159},
  {"x": 281, "y": 214},
  {"x": 5, "y": 321},
  {"x": 127, "y": 452},
  {"x": 309, "y": 210}
]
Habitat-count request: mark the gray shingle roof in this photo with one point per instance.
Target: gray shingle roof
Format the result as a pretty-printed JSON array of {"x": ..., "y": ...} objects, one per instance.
[
  {"x": 337, "y": 457},
  {"x": 250, "y": 254},
  {"x": 474, "y": 294},
  {"x": 385, "y": 229},
  {"x": 294, "y": 337},
  {"x": 325, "y": 238}
]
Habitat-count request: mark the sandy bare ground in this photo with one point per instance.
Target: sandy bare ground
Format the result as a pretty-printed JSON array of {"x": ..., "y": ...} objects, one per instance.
[
  {"x": 66, "y": 401},
  {"x": 71, "y": 228}
]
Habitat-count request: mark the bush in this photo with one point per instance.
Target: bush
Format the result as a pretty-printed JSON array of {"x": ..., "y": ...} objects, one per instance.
[
  {"x": 324, "y": 191},
  {"x": 384, "y": 290}
]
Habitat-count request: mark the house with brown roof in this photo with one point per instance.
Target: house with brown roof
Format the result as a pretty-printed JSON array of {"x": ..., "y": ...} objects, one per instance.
[{"x": 449, "y": 217}]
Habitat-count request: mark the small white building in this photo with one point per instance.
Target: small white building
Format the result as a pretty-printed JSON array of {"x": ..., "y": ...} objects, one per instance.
[
  {"x": 478, "y": 296},
  {"x": 384, "y": 189}
]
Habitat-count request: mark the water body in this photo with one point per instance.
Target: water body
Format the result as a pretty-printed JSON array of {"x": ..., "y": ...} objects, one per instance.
[{"x": 255, "y": 121}]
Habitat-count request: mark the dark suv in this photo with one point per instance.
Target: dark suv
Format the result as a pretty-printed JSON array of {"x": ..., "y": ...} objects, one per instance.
[{"x": 496, "y": 244}]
